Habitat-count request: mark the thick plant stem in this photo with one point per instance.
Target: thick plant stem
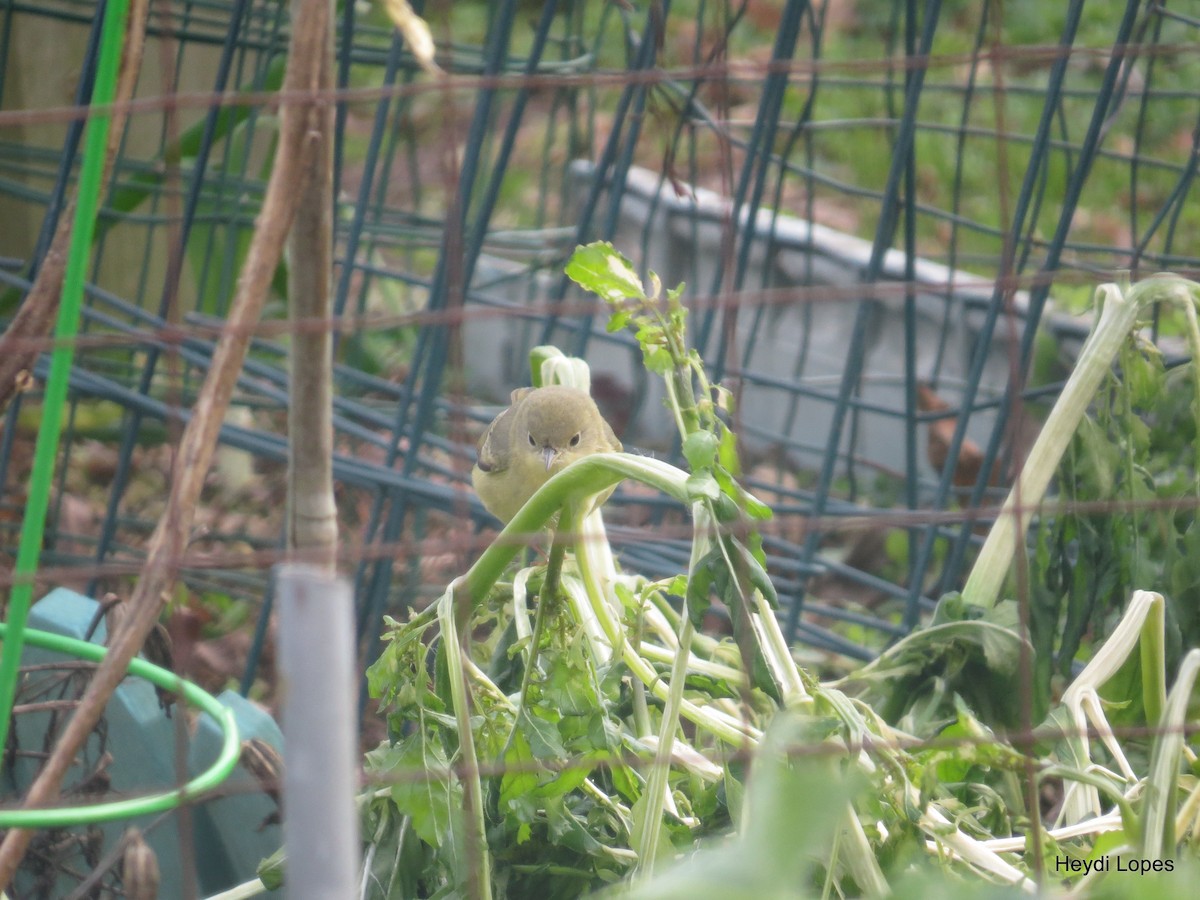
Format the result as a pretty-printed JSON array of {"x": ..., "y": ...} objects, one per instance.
[
  {"x": 1117, "y": 318},
  {"x": 656, "y": 783},
  {"x": 478, "y": 865}
]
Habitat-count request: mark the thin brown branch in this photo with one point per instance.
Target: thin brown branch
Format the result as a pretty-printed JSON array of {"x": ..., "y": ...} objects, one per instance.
[
  {"x": 312, "y": 514},
  {"x": 297, "y": 146}
]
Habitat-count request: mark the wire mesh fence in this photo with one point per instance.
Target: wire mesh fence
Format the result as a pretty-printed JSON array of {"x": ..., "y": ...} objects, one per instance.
[
  {"x": 739, "y": 158},
  {"x": 888, "y": 216}
]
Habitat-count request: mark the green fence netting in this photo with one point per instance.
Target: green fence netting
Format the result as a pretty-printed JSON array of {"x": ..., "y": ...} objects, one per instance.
[{"x": 889, "y": 216}]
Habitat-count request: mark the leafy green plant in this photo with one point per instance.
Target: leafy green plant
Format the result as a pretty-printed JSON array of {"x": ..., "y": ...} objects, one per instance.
[
  {"x": 591, "y": 742},
  {"x": 603, "y": 675}
]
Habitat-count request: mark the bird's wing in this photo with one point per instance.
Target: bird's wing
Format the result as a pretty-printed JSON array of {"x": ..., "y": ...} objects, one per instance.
[
  {"x": 614, "y": 443},
  {"x": 498, "y": 434},
  {"x": 485, "y": 456}
]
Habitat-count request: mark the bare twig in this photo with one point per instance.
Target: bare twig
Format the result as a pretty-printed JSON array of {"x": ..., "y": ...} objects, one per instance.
[
  {"x": 312, "y": 515},
  {"x": 299, "y": 135}
]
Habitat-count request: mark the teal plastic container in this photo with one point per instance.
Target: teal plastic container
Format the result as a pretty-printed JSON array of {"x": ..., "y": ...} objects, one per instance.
[{"x": 150, "y": 752}]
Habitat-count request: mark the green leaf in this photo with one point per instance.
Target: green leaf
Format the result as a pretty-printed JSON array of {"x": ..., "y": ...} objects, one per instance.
[
  {"x": 754, "y": 507},
  {"x": 954, "y": 766},
  {"x": 649, "y": 333},
  {"x": 1143, "y": 375},
  {"x": 1107, "y": 841},
  {"x": 727, "y": 453},
  {"x": 700, "y": 584},
  {"x": 1096, "y": 458},
  {"x": 700, "y": 449},
  {"x": 520, "y": 778},
  {"x": 677, "y": 586},
  {"x": 566, "y": 829},
  {"x": 629, "y": 601},
  {"x": 739, "y": 497},
  {"x": 757, "y": 574},
  {"x": 952, "y": 607},
  {"x": 433, "y": 798},
  {"x": 568, "y": 689},
  {"x": 725, "y": 508},
  {"x": 543, "y": 740},
  {"x": 754, "y": 543},
  {"x": 599, "y": 268},
  {"x": 271, "y": 870},
  {"x": 1006, "y": 613},
  {"x": 735, "y": 792},
  {"x": 538, "y": 357},
  {"x": 730, "y": 587},
  {"x": 571, "y": 777},
  {"x": 441, "y": 676},
  {"x": 659, "y": 361},
  {"x": 673, "y": 295},
  {"x": 625, "y": 782},
  {"x": 618, "y": 321}
]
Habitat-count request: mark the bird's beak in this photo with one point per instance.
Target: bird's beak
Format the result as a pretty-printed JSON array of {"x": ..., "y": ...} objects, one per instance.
[{"x": 549, "y": 454}]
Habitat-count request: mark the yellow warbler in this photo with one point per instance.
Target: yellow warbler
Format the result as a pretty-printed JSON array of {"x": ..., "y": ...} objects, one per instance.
[{"x": 541, "y": 433}]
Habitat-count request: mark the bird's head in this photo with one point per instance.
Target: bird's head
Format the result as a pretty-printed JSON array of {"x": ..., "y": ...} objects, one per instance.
[{"x": 557, "y": 426}]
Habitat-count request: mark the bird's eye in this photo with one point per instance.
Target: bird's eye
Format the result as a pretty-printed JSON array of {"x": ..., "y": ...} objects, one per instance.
[
  {"x": 532, "y": 442},
  {"x": 575, "y": 441}
]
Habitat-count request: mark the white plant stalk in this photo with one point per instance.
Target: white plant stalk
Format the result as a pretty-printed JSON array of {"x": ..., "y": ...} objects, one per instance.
[
  {"x": 479, "y": 865},
  {"x": 1118, "y": 315},
  {"x": 1158, "y": 816},
  {"x": 1116, "y": 649},
  {"x": 522, "y": 623},
  {"x": 945, "y": 836},
  {"x": 723, "y": 726}
]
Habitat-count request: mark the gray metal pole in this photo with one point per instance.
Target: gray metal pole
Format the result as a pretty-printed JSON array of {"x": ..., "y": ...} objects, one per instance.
[{"x": 316, "y": 661}]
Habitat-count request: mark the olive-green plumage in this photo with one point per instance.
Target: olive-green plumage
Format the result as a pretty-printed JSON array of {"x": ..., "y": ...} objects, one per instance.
[{"x": 540, "y": 434}]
